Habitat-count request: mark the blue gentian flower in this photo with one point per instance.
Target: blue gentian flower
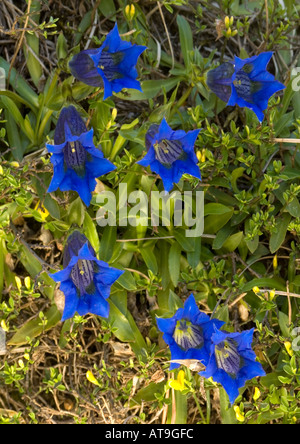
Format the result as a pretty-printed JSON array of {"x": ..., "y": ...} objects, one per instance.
[
  {"x": 84, "y": 280},
  {"x": 112, "y": 65},
  {"x": 76, "y": 161},
  {"x": 188, "y": 333},
  {"x": 232, "y": 361},
  {"x": 246, "y": 83},
  {"x": 171, "y": 153}
]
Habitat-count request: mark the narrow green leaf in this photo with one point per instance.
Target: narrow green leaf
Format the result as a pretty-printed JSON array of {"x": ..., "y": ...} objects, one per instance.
[
  {"x": 90, "y": 231},
  {"x": 186, "y": 39},
  {"x": 108, "y": 243},
  {"x": 174, "y": 263},
  {"x": 33, "y": 328},
  {"x": 150, "y": 259}
]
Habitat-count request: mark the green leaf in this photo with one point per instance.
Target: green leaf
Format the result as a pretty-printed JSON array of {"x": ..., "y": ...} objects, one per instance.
[
  {"x": 33, "y": 329},
  {"x": 32, "y": 62},
  {"x": 283, "y": 321},
  {"x": 123, "y": 324},
  {"x": 147, "y": 394},
  {"x": 20, "y": 85},
  {"x": 90, "y": 231},
  {"x": 227, "y": 412},
  {"x": 150, "y": 259},
  {"x": 108, "y": 243},
  {"x": 222, "y": 236},
  {"x": 270, "y": 283},
  {"x": 216, "y": 209},
  {"x": 127, "y": 281},
  {"x": 278, "y": 237},
  {"x": 233, "y": 241},
  {"x": 186, "y": 39},
  {"x": 213, "y": 224},
  {"x": 76, "y": 212},
  {"x": 52, "y": 206},
  {"x": 174, "y": 263}
]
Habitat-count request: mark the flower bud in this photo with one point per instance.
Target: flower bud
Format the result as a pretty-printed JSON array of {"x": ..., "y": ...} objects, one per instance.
[
  {"x": 91, "y": 378},
  {"x": 130, "y": 11},
  {"x": 257, "y": 394},
  {"x": 227, "y": 22},
  {"x": 238, "y": 414},
  {"x": 114, "y": 113},
  {"x": 275, "y": 262}
]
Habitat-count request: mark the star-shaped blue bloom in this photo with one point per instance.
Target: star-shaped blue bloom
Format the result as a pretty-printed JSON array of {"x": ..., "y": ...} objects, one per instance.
[
  {"x": 246, "y": 83},
  {"x": 232, "y": 361},
  {"x": 112, "y": 65},
  {"x": 188, "y": 333},
  {"x": 171, "y": 153},
  {"x": 85, "y": 280},
  {"x": 76, "y": 161}
]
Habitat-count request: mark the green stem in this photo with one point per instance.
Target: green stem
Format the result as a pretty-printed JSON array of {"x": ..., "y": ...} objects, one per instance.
[
  {"x": 199, "y": 408},
  {"x": 181, "y": 101}
]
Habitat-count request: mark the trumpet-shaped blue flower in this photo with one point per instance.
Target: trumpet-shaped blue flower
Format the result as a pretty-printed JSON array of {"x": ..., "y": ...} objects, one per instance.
[
  {"x": 84, "y": 280},
  {"x": 232, "y": 361},
  {"x": 76, "y": 161},
  {"x": 188, "y": 333},
  {"x": 246, "y": 83},
  {"x": 112, "y": 65},
  {"x": 171, "y": 153}
]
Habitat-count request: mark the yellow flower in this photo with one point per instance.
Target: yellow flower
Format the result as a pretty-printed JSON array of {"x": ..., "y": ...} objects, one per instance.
[
  {"x": 4, "y": 326},
  {"x": 272, "y": 294},
  {"x": 130, "y": 11},
  {"x": 288, "y": 347},
  {"x": 178, "y": 384},
  {"x": 114, "y": 113},
  {"x": 227, "y": 22},
  {"x": 275, "y": 262},
  {"x": 27, "y": 282},
  {"x": 257, "y": 394},
  {"x": 238, "y": 414},
  {"x": 18, "y": 283},
  {"x": 91, "y": 378},
  {"x": 255, "y": 290},
  {"x": 42, "y": 211}
]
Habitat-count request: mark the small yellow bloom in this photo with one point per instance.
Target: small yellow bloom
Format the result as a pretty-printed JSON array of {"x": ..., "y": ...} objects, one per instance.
[
  {"x": 4, "y": 326},
  {"x": 27, "y": 282},
  {"x": 14, "y": 164},
  {"x": 1, "y": 171},
  {"x": 257, "y": 394},
  {"x": 272, "y": 294},
  {"x": 255, "y": 290},
  {"x": 114, "y": 113},
  {"x": 231, "y": 21},
  {"x": 130, "y": 11},
  {"x": 27, "y": 356},
  {"x": 238, "y": 414},
  {"x": 18, "y": 283},
  {"x": 275, "y": 262},
  {"x": 91, "y": 378},
  {"x": 42, "y": 211},
  {"x": 227, "y": 22},
  {"x": 288, "y": 347},
  {"x": 178, "y": 384},
  {"x": 228, "y": 33}
]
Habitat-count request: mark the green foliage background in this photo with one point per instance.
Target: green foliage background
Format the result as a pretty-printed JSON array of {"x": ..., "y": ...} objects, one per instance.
[{"x": 251, "y": 179}]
